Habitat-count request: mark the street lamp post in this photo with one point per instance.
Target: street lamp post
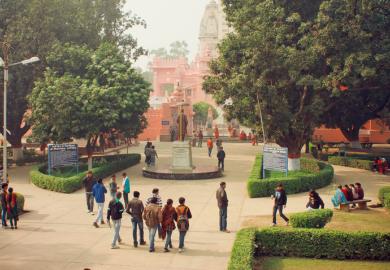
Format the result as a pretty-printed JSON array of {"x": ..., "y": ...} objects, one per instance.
[{"x": 5, "y": 64}]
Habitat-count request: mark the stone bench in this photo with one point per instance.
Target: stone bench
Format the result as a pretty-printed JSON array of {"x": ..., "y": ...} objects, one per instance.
[{"x": 362, "y": 204}]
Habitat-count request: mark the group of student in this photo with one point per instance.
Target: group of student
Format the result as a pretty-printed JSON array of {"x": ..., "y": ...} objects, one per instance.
[
  {"x": 348, "y": 193},
  {"x": 9, "y": 207},
  {"x": 150, "y": 154},
  {"x": 380, "y": 165}
]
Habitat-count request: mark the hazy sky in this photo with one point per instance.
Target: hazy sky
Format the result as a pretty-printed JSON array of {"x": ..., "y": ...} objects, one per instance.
[{"x": 167, "y": 21}]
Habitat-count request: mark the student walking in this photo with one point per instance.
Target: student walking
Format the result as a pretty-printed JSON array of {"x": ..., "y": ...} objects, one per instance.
[
  {"x": 135, "y": 208},
  {"x": 280, "y": 201},
  {"x": 155, "y": 194},
  {"x": 3, "y": 198},
  {"x": 200, "y": 138},
  {"x": 98, "y": 192},
  {"x": 153, "y": 217},
  {"x": 222, "y": 205},
  {"x": 168, "y": 224},
  {"x": 221, "y": 158},
  {"x": 12, "y": 209},
  {"x": 153, "y": 156},
  {"x": 89, "y": 181},
  {"x": 114, "y": 212},
  {"x": 113, "y": 186},
  {"x": 183, "y": 214},
  {"x": 210, "y": 145},
  {"x": 125, "y": 188}
]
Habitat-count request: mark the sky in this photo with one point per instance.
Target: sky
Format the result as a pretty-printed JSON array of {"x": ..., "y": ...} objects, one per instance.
[{"x": 167, "y": 21}]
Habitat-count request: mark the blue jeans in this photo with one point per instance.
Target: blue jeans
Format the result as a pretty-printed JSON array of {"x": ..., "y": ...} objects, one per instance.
[
  {"x": 152, "y": 234},
  {"x": 182, "y": 236},
  {"x": 223, "y": 218},
  {"x": 117, "y": 228},
  {"x": 136, "y": 222},
  {"x": 280, "y": 209},
  {"x": 4, "y": 216},
  {"x": 99, "y": 217},
  {"x": 210, "y": 150},
  {"x": 168, "y": 240}
]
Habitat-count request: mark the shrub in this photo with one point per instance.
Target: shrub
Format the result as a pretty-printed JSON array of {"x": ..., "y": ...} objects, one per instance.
[
  {"x": 382, "y": 192},
  {"x": 311, "y": 219},
  {"x": 386, "y": 200},
  {"x": 294, "y": 183},
  {"x": 351, "y": 162},
  {"x": 243, "y": 250},
  {"x": 327, "y": 244},
  {"x": 108, "y": 166},
  {"x": 19, "y": 203}
]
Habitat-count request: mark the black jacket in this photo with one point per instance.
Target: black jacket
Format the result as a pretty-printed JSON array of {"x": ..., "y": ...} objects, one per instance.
[
  {"x": 315, "y": 203},
  {"x": 221, "y": 155},
  {"x": 115, "y": 210},
  {"x": 89, "y": 183},
  {"x": 282, "y": 199}
]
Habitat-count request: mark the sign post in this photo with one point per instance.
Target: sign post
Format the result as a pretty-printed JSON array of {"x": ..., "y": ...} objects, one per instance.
[
  {"x": 60, "y": 155},
  {"x": 275, "y": 158}
]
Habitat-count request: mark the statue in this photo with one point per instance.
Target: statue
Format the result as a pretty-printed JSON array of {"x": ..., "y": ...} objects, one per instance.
[{"x": 182, "y": 123}]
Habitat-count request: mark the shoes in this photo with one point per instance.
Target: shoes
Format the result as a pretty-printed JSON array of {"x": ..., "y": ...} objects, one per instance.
[
  {"x": 226, "y": 231},
  {"x": 102, "y": 223},
  {"x": 151, "y": 250},
  {"x": 143, "y": 243},
  {"x": 92, "y": 213},
  {"x": 181, "y": 250},
  {"x": 88, "y": 211},
  {"x": 96, "y": 225},
  {"x": 170, "y": 246},
  {"x": 287, "y": 223},
  {"x": 120, "y": 241},
  {"x": 12, "y": 227},
  {"x": 166, "y": 250},
  {"x": 273, "y": 224},
  {"x": 114, "y": 247},
  {"x": 16, "y": 227},
  {"x": 135, "y": 244}
]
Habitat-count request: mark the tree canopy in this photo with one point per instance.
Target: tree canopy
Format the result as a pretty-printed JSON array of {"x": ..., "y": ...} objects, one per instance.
[
  {"x": 201, "y": 110},
  {"x": 177, "y": 49}
]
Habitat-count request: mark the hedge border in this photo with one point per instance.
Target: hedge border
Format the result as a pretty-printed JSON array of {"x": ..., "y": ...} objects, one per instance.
[
  {"x": 243, "y": 251},
  {"x": 363, "y": 164},
  {"x": 71, "y": 184},
  {"x": 386, "y": 200},
  {"x": 381, "y": 193},
  {"x": 316, "y": 218},
  {"x": 258, "y": 187}
]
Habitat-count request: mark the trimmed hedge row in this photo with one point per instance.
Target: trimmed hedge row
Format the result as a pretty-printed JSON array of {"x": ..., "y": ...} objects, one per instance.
[
  {"x": 325, "y": 244},
  {"x": 311, "y": 219},
  {"x": 351, "y": 162},
  {"x": 243, "y": 251},
  {"x": 381, "y": 193},
  {"x": 19, "y": 203},
  {"x": 107, "y": 166},
  {"x": 299, "y": 182},
  {"x": 386, "y": 201}
]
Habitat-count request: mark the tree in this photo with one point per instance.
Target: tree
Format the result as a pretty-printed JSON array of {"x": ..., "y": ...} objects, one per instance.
[
  {"x": 269, "y": 63},
  {"x": 34, "y": 26},
  {"x": 93, "y": 92},
  {"x": 201, "y": 110},
  {"x": 177, "y": 49},
  {"x": 354, "y": 38}
]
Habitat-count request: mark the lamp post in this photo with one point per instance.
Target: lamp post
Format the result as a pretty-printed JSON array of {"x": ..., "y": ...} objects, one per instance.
[{"x": 5, "y": 64}]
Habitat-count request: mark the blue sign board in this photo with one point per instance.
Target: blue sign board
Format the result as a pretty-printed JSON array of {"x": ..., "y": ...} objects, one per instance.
[
  {"x": 275, "y": 158},
  {"x": 60, "y": 155}
]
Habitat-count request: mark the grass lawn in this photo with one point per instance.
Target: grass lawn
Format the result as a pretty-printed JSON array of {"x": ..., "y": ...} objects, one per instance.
[
  {"x": 373, "y": 220},
  {"x": 277, "y": 263}
]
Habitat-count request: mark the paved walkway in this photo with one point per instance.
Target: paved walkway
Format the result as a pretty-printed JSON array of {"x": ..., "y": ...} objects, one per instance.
[{"x": 57, "y": 233}]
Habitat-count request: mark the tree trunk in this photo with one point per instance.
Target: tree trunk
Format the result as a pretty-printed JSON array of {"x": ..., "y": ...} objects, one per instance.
[
  {"x": 91, "y": 144},
  {"x": 352, "y": 134}
]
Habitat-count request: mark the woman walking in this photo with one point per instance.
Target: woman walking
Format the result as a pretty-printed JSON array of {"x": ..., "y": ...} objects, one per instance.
[
  {"x": 168, "y": 224},
  {"x": 12, "y": 209}
]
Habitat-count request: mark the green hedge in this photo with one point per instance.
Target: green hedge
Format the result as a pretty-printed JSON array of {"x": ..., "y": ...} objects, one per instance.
[
  {"x": 296, "y": 182},
  {"x": 107, "y": 166},
  {"x": 351, "y": 162},
  {"x": 243, "y": 250},
  {"x": 386, "y": 200},
  {"x": 19, "y": 203},
  {"x": 326, "y": 244},
  {"x": 382, "y": 192},
  {"x": 311, "y": 219}
]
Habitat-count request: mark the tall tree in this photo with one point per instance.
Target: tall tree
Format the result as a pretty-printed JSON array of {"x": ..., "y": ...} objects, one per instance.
[
  {"x": 269, "y": 60},
  {"x": 201, "y": 110},
  {"x": 34, "y": 26},
  {"x": 177, "y": 49},
  {"x": 354, "y": 38}
]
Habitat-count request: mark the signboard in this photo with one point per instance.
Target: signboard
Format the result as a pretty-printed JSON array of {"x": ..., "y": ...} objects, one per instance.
[
  {"x": 60, "y": 155},
  {"x": 165, "y": 122},
  {"x": 275, "y": 159}
]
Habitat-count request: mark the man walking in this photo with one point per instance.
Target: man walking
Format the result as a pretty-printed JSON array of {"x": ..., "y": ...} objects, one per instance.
[
  {"x": 98, "y": 192},
  {"x": 125, "y": 188},
  {"x": 115, "y": 210},
  {"x": 200, "y": 138},
  {"x": 155, "y": 194},
  {"x": 222, "y": 205},
  {"x": 153, "y": 217},
  {"x": 89, "y": 182},
  {"x": 183, "y": 214},
  {"x": 3, "y": 198},
  {"x": 135, "y": 208},
  {"x": 280, "y": 201},
  {"x": 221, "y": 158}
]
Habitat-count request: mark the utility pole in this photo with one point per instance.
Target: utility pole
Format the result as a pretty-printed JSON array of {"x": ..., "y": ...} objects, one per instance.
[{"x": 5, "y": 46}]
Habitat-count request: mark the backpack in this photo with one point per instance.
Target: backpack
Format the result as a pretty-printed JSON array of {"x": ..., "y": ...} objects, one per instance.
[{"x": 182, "y": 220}]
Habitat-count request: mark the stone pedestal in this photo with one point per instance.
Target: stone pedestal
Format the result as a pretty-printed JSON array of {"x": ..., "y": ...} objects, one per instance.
[{"x": 182, "y": 156}]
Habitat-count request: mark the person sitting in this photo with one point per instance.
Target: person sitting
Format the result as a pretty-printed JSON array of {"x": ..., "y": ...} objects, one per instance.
[
  {"x": 375, "y": 164},
  {"x": 359, "y": 190},
  {"x": 347, "y": 193},
  {"x": 338, "y": 197},
  {"x": 315, "y": 201},
  {"x": 355, "y": 195}
]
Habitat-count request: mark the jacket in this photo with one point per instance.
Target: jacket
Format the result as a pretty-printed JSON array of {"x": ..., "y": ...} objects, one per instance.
[
  {"x": 3, "y": 198},
  {"x": 222, "y": 198},
  {"x": 221, "y": 155},
  {"x": 126, "y": 185},
  {"x": 360, "y": 193},
  {"x": 280, "y": 197},
  {"x": 135, "y": 208},
  {"x": 152, "y": 215},
  {"x": 89, "y": 182},
  {"x": 98, "y": 191},
  {"x": 159, "y": 201},
  {"x": 315, "y": 202},
  {"x": 338, "y": 198},
  {"x": 115, "y": 210},
  {"x": 168, "y": 220}
]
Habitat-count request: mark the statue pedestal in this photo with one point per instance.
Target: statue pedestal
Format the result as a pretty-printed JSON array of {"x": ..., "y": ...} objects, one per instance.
[{"x": 182, "y": 156}]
